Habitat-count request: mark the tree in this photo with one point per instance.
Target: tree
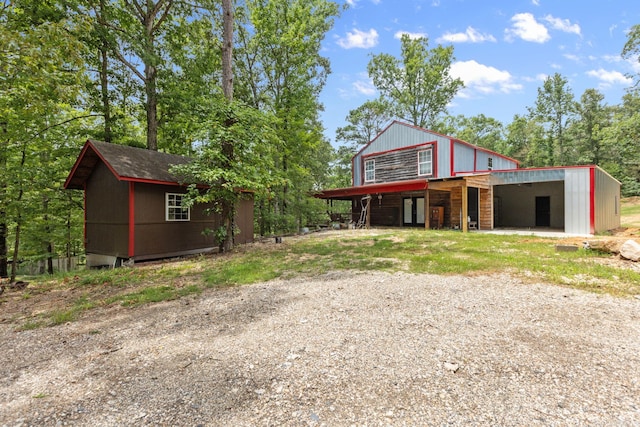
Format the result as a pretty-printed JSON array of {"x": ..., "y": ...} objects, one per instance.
[
  {"x": 631, "y": 49},
  {"x": 592, "y": 116},
  {"x": 132, "y": 31},
  {"x": 621, "y": 143},
  {"x": 555, "y": 109},
  {"x": 419, "y": 86},
  {"x": 482, "y": 131},
  {"x": 229, "y": 199},
  {"x": 42, "y": 78},
  {"x": 280, "y": 71},
  {"x": 364, "y": 123},
  {"x": 521, "y": 141}
]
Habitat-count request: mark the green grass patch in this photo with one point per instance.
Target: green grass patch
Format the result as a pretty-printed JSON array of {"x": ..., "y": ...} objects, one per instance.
[
  {"x": 415, "y": 251},
  {"x": 246, "y": 269},
  {"x": 153, "y": 294},
  {"x": 59, "y": 317}
]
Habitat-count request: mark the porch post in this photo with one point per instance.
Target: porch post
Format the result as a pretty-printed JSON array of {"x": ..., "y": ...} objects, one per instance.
[
  {"x": 368, "y": 219},
  {"x": 465, "y": 206}
]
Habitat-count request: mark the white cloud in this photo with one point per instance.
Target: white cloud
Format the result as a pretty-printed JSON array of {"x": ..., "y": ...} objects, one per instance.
[
  {"x": 572, "y": 57},
  {"x": 527, "y": 28},
  {"x": 471, "y": 35},
  {"x": 398, "y": 35},
  {"x": 535, "y": 2},
  {"x": 608, "y": 78},
  {"x": 364, "y": 87},
  {"x": 360, "y": 39},
  {"x": 563, "y": 25},
  {"x": 482, "y": 78},
  {"x": 537, "y": 78}
]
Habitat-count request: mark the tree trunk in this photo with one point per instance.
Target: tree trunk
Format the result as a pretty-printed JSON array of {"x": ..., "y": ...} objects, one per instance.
[
  {"x": 4, "y": 272},
  {"x": 228, "y": 202},
  {"x": 16, "y": 246},
  {"x": 104, "y": 87},
  {"x": 150, "y": 73},
  {"x": 104, "y": 76},
  {"x": 47, "y": 231}
]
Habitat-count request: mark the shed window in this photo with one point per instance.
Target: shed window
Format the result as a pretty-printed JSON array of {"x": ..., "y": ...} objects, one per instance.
[
  {"x": 175, "y": 207},
  {"x": 425, "y": 162},
  {"x": 369, "y": 170},
  {"x": 490, "y": 163}
]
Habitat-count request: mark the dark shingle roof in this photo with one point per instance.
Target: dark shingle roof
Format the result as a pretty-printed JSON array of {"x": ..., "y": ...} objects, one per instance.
[{"x": 126, "y": 163}]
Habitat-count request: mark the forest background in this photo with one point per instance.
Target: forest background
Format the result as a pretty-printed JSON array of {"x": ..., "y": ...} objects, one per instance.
[{"x": 148, "y": 73}]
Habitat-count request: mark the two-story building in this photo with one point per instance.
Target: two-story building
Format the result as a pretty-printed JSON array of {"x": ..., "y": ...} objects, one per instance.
[{"x": 412, "y": 177}]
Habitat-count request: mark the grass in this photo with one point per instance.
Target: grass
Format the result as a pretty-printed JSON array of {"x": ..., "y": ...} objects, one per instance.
[{"x": 415, "y": 251}]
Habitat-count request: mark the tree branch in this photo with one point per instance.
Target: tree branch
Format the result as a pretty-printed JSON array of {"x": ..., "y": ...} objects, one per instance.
[{"x": 43, "y": 130}]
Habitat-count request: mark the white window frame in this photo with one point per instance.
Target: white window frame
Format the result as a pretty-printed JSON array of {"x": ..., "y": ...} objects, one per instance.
[
  {"x": 426, "y": 162},
  {"x": 370, "y": 173},
  {"x": 174, "y": 211}
]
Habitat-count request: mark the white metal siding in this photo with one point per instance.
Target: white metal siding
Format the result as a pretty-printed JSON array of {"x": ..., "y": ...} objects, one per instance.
[
  {"x": 577, "y": 190},
  {"x": 463, "y": 158},
  {"x": 607, "y": 201}
]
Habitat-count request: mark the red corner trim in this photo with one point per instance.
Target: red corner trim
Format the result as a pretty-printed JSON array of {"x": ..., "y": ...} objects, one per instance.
[
  {"x": 451, "y": 159},
  {"x": 592, "y": 200}
]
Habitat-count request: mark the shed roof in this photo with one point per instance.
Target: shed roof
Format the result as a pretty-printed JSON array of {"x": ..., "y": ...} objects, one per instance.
[{"x": 126, "y": 163}]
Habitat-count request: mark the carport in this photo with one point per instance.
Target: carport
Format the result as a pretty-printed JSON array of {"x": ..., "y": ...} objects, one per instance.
[{"x": 578, "y": 200}]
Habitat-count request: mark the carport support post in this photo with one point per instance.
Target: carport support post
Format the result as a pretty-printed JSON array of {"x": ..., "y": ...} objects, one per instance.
[
  {"x": 465, "y": 206},
  {"x": 368, "y": 219}
]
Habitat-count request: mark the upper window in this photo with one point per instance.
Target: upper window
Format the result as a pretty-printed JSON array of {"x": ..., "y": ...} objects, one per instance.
[
  {"x": 175, "y": 207},
  {"x": 425, "y": 162},
  {"x": 490, "y": 163},
  {"x": 369, "y": 170}
]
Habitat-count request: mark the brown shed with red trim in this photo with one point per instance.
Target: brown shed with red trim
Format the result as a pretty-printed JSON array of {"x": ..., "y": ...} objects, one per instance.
[{"x": 133, "y": 206}]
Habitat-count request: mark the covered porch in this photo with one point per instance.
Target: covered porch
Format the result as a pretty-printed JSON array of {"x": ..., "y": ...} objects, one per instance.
[{"x": 461, "y": 203}]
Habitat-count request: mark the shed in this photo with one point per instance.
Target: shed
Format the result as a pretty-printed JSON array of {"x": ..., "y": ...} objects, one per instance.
[{"x": 133, "y": 206}]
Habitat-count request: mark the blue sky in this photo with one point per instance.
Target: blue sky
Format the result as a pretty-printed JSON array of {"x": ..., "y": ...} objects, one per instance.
[{"x": 503, "y": 50}]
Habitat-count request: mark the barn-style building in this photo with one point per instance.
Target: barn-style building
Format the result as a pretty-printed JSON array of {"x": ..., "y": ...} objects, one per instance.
[
  {"x": 134, "y": 208},
  {"x": 412, "y": 177}
]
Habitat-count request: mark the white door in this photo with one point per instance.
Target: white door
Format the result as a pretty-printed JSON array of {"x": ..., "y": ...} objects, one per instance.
[
  {"x": 408, "y": 214},
  {"x": 419, "y": 210}
]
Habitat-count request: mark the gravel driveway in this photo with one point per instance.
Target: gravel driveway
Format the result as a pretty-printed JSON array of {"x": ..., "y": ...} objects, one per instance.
[{"x": 337, "y": 350}]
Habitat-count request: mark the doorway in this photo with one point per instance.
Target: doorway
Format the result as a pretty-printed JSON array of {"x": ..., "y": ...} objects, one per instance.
[
  {"x": 543, "y": 211},
  {"x": 473, "y": 202},
  {"x": 413, "y": 211}
]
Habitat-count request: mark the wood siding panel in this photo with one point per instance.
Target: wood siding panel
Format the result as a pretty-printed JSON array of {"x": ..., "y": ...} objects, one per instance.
[
  {"x": 401, "y": 165},
  {"x": 244, "y": 219},
  {"x": 154, "y": 236},
  {"x": 456, "y": 208},
  {"x": 486, "y": 209},
  {"x": 107, "y": 213}
]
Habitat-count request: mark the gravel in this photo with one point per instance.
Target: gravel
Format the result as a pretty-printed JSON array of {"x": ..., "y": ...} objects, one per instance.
[{"x": 341, "y": 349}]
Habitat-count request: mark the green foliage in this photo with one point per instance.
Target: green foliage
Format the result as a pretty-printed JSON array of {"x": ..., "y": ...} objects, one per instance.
[
  {"x": 554, "y": 109},
  {"x": 419, "y": 85},
  {"x": 364, "y": 123},
  {"x": 279, "y": 70}
]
